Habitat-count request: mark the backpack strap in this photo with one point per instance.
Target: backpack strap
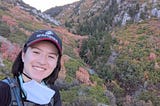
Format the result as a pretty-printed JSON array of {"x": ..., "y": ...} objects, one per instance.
[
  {"x": 52, "y": 99},
  {"x": 15, "y": 91},
  {"x": 51, "y": 102}
]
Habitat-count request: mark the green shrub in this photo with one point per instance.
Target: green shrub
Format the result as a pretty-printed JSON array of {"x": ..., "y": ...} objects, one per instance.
[
  {"x": 97, "y": 94},
  {"x": 69, "y": 51},
  {"x": 83, "y": 94},
  {"x": 142, "y": 30},
  {"x": 6, "y": 70},
  {"x": 150, "y": 95},
  {"x": 95, "y": 78},
  {"x": 72, "y": 66},
  {"x": 4, "y": 30},
  {"x": 68, "y": 96},
  {"x": 18, "y": 37}
]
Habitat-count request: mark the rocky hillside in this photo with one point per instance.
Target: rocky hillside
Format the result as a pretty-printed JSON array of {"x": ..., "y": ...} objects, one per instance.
[
  {"x": 122, "y": 46},
  {"x": 120, "y": 12},
  {"x": 17, "y": 21}
]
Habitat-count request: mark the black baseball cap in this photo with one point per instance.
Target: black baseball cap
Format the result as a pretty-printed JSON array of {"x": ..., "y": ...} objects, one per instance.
[{"x": 45, "y": 35}]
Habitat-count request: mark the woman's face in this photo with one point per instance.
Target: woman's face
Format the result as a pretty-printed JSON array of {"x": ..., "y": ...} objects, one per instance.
[{"x": 40, "y": 60}]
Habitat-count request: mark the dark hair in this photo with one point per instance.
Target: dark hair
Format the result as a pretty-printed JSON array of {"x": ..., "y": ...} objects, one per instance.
[{"x": 18, "y": 65}]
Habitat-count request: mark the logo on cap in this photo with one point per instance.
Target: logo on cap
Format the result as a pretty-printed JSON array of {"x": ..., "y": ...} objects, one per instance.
[{"x": 48, "y": 34}]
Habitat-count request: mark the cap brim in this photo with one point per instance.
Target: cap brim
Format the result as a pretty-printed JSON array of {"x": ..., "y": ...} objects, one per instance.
[{"x": 46, "y": 39}]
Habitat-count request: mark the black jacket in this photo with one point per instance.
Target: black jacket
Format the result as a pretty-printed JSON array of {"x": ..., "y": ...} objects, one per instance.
[{"x": 5, "y": 95}]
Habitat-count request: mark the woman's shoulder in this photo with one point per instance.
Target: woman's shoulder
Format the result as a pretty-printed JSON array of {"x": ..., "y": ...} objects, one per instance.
[
  {"x": 4, "y": 88},
  {"x": 4, "y": 85},
  {"x": 57, "y": 97},
  {"x": 5, "y": 94}
]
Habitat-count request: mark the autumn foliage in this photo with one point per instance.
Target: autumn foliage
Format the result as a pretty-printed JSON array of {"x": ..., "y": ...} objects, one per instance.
[
  {"x": 9, "y": 51},
  {"x": 83, "y": 76},
  {"x": 10, "y": 21}
]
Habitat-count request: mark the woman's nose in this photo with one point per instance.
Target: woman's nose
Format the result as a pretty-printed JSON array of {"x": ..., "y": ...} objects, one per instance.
[{"x": 42, "y": 59}]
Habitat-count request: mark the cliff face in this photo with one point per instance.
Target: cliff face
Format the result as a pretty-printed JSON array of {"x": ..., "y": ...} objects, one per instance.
[
  {"x": 123, "y": 11},
  {"x": 32, "y": 10}
]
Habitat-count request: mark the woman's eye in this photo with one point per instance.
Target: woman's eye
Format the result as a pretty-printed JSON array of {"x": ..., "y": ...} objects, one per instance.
[
  {"x": 52, "y": 56},
  {"x": 36, "y": 52}
]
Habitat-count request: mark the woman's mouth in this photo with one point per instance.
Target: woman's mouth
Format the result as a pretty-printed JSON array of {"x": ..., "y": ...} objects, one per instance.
[{"x": 39, "y": 68}]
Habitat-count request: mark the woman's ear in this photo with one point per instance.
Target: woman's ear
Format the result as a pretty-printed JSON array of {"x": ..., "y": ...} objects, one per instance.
[{"x": 23, "y": 56}]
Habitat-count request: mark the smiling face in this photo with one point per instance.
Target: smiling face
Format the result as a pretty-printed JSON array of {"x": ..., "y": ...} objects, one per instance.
[{"x": 40, "y": 60}]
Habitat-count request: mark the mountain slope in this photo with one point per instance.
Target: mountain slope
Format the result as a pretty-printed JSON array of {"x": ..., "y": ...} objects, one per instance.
[
  {"x": 120, "y": 12},
  {"x": 17, "y": 21},
  {"x": 137, "y": 67},
  {"x": 122, "y": 46}
]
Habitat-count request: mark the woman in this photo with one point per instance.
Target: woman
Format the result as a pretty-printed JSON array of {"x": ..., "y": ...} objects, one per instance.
[{"x": 35, "y": 70}]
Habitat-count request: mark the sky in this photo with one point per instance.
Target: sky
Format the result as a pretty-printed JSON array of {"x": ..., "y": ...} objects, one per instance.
[{"x": 46, "y": 4}]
